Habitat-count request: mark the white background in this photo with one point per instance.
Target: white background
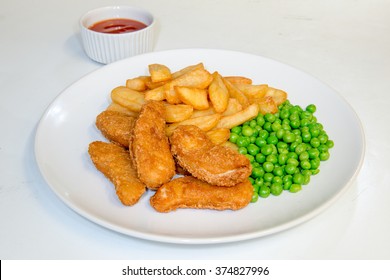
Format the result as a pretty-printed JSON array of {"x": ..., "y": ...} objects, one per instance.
[{"x": 344, "y": 43}]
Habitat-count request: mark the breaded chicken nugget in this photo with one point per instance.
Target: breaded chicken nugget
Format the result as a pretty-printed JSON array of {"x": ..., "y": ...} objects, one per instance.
[
  {"x": 189, "y": 192},
  {"x": 115, "y": 163},
  {"x": 149, "y": 146},
  {"x": 115, "y": 126},
  {"x": 215, "y": 164}
]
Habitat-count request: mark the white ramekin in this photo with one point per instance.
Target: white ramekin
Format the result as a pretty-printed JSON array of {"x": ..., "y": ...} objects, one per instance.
[{"x": 106, "y": 48}]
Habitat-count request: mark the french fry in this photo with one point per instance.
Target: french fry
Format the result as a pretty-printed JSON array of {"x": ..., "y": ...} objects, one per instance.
[
  {"x": 138, "y": 83},
  {"x": 187, "y": 69},
  {"x": 218, "y": 93},
  {"x": 177, "y": 113},
  {"x": 279, "y": 96},
  {"x": 218, "y": 136},
  {"x": 128, "y": 98},
  {"x": 151, "y": 85},
  {"x": 239, "y": 118},
  {"x": 171, "y": 95},
  {"x": 159, "y": 73},
  {"x": 253, "y": 91},
  {"x": 230, "y": 145},
  {"x": 205, "y": 123},
  {"x": 236, "y": 93},
  {"x": 238, "y": 80},
  {"x": 197, "y": 78},
  {"x": 267, "y": 105},
  {"x": 118, "y": 108},
  {"x": 233, "y": 107},
  {"x": 201, "y": 113},
  {"x": 195, "y": 97},
  {"x": 157, "y": 94}
]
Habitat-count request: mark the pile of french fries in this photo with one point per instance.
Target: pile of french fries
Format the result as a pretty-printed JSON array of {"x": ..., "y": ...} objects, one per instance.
[{"x": 194, "y": 96}]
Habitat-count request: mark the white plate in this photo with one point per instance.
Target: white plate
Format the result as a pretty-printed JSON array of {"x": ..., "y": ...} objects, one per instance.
[{"x": 67, "y": 127}]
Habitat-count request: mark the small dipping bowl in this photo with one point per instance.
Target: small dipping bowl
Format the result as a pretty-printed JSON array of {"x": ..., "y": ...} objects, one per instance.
[{"x": 109, "y": 47}]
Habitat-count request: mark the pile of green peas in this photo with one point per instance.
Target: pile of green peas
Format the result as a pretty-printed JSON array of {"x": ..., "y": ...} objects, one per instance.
[{"x": 285, "y": 149}]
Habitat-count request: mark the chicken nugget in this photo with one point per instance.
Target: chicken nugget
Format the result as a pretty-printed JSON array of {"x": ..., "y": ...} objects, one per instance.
[
  {"x": 215, "y": 164},
  {"x": 115, "y": 163},
  {"x": 115, "y": 126},
  {"x": 149, "y": 146},
  {"x": 189, "y": 192}
]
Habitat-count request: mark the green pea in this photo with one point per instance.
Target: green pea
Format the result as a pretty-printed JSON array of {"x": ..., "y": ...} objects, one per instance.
[
  {"x": 286, "y": 126},
  {"x": 304, "y": 156},
  {"x": 236, "y": 130},
  {"x": 260, "y": 158},
  {"x": 272, "y": 139},
  {"x": 305, "y": 122},
  {"x": 324, "y": 156},
  {"x": 252, "y": 139},
  {"x": 260, "y": 142},
  {"x": 282, "y": 159},
  {"x": 323, "y": 138},
  {"x": 323, "y": 148},
  {"x": 278, "y": 171},
  {"x": 260, "y": 120},
  {"x": 289, "y": 137},
  {"x": 259, "y": 181},
  {"x": 257, "y": 172},
  {"x": 277, "y": 180},
  {"x": 269, "y": 117},
  {"x": 306, "y": 136},
  {"x": 242, "y": 141},
  {"x": 267, "y": 126},
  {"x": 268, "y": 177},
  {"x": 255, "y": 197},
  {"x": 330, "y": 143},
  {"x": 247, "y": 131},
  {"x": 242, "y": 150},
  {"x": 276, "y": 189},
  {"x": 276, "y": 126},
  {"x": 290, "y": 169},
  {"x": 263, "y": 134},
  {"x": 264, "y": 191},
  {"x": 272, "y": 158},
  {"x": 295, "y": 123},
  {"x": 306, "y": 179},
  {"x": 314, "y": 142},
  {"x": 268, "y": 166},
  {"x": 305, "y": 164},
  {"x": 266, "y": 150},
  {"x": 295, "y": 188},
  {"x": 311, "y": 108},
  {"x": 284, "y": 114},
  {"x": 253, "y": 149},
  {"x": 314, "y": 171},
  {"x": 299, "y": 149},
  {"x": 314, "y": 131},
  {"x": 298, "y": 178},
  {"x": 233, "y": 137},
  {"x": 252, "y": 123},
  {"x": 315, "y": 163},
  {"x": 292, "y": 155},
  {"x": 287, "y": 185},
  {"x": 293, "y": 161},
  {"x": 313, "y": 153},
  {"x": 250, "y": 157}
]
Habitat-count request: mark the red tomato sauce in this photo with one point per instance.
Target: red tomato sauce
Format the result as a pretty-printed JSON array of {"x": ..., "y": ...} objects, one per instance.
[{"x": 117, "y": 25}]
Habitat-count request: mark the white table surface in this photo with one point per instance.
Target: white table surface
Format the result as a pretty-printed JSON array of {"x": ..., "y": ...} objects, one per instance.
[{"x": 344, "y": 43}]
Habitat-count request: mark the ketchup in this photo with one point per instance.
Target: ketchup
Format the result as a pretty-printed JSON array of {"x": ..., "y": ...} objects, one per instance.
[{"x": 117, "y": 25}]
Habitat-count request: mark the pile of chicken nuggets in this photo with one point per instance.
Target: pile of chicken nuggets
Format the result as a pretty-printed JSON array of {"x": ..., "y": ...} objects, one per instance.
[{"x": 167, "y": 133}]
